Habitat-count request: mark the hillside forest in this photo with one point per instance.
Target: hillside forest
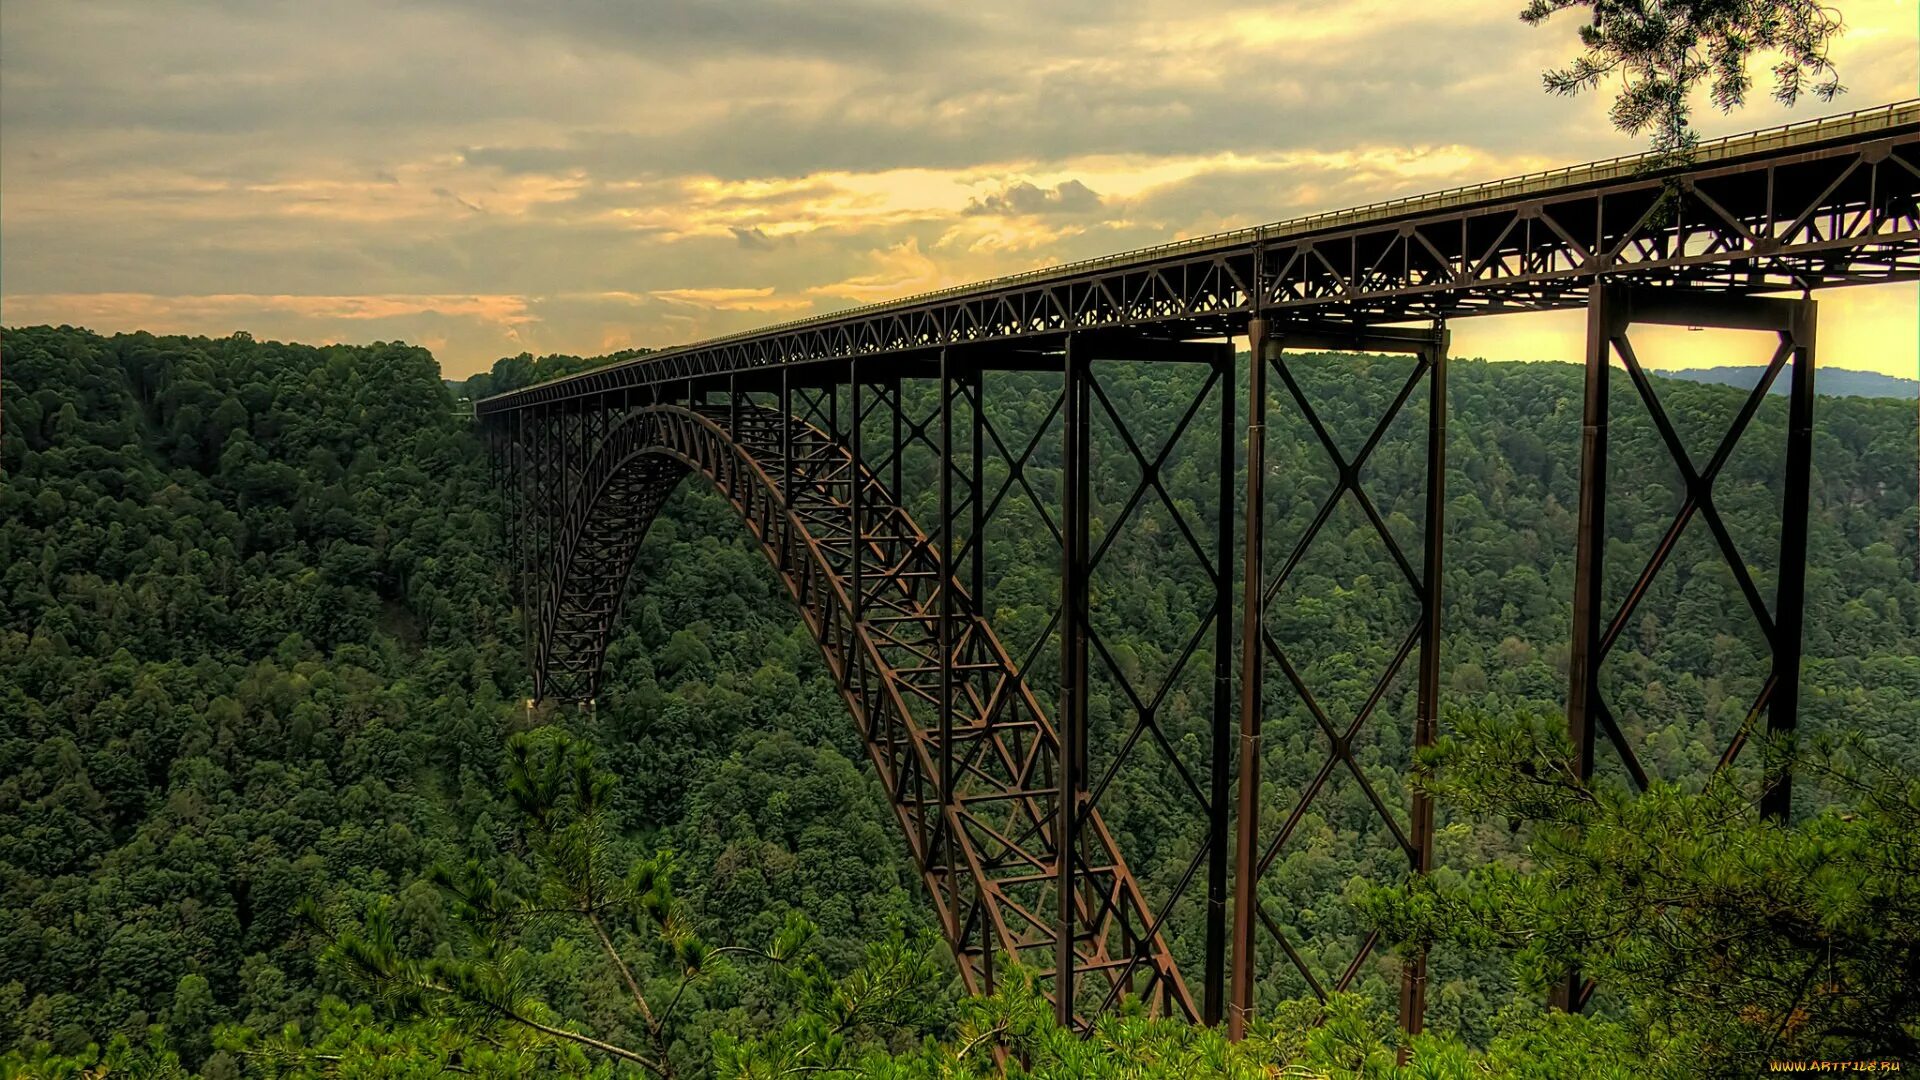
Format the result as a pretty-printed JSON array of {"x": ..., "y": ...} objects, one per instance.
[{"x": 274, "y": 800}]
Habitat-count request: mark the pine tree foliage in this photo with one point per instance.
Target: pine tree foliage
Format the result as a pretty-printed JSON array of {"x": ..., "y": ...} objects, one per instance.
[
  {"x": 569, "y": 877},
  {"x": 258, "y": 643},
  {"x": 1663, "y": 50},
  {"x": 1713, "y": 934}
]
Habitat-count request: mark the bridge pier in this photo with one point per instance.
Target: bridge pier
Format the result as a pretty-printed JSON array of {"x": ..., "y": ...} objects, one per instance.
[
  {"x": 1073, "y": 676},
  {"x": 1613, "y": 310},
  {"x": 1252, "y": 671},
  {"x": 1254, "y": 853}
]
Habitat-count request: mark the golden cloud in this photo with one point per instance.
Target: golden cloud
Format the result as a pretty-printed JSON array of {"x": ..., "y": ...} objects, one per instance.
[
  {"x": 157, "y": 311},
  {"x": 762, "y": 299}
]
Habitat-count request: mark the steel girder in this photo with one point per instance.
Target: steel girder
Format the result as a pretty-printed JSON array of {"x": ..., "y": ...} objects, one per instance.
[
  {"x": 1137, "y": 732},
  {"x": 971, "y": 762}
]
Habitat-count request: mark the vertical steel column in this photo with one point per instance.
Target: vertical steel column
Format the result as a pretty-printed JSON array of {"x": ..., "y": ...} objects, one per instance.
[
  {"x": 1246, "y": 838},
  {"x": 977, "y": 590},
  {"x": 1790, "y": 603},
  {"x": 945, "y": 613},
  {"x": 530, "y": 539},
  {"x": 856, "y": 536},
  {"x": 516, "y": 435},
  {"x": 1583, "y": 668},
  {"x": 976, "y": 503},
  {"x": 786, "y": 436},
  {"x": 509, "y": 489},
  {"x": 899, "y": 435},
  {"x": 543, "y": 510},
  {"x": 568, "y": 464},
  {"x": 1220, "y": 788},
  {"x": 1073, "y": 667},
  {"x": 1426, "y": 723}
]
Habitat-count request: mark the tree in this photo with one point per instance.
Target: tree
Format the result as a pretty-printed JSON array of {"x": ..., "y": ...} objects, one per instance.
[
  {"x": 562, "y": 799},
  {"x": 1664, "y": 49},
  {"x": 1012, "y": 1033},
  {"x": 293, "y": 670},
  {"x": 1721, "y": 936}
]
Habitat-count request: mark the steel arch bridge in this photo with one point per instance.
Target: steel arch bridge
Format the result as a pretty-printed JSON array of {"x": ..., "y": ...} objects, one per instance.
[{"x": 998, "y": 770}]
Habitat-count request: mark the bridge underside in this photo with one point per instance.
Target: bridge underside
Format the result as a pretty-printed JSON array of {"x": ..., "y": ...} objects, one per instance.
[{"x": 1005, "y": 759}]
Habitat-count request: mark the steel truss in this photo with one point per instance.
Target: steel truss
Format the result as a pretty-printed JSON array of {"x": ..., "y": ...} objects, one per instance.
[
  {"x": 960, "y": 737},
  {"x": 998, "y": 766}
]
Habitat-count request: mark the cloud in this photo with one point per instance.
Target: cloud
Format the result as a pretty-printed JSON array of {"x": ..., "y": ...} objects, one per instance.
[
  {"x": 893, "y": 32},
  {"x": 899, "y": 270},
  {"x": 117, "y": 307},
  {"x": 478, "y": 325},
  {"x": 495, "y": 175},
  {"x": 1021, "y": 197},
  {"x": 755, "y": 238},
  {"x": 467, "y": 204},
  {"x": 763, "y": 299}
]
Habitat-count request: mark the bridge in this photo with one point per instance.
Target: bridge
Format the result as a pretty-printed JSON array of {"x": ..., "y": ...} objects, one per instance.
[{"x": 1000, "y": 777}]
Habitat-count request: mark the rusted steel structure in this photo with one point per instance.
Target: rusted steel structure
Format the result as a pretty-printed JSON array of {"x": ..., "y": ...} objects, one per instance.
[{"x": 804, "y": 428}]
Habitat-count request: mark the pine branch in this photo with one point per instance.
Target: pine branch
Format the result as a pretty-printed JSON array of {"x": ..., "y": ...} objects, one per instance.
[
  {"x": 658, "y": 1068},
  {"x": 620, "y": 965}
]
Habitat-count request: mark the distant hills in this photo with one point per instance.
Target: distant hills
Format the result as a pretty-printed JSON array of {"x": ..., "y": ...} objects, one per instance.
[{"x": 1828, "y": 382}]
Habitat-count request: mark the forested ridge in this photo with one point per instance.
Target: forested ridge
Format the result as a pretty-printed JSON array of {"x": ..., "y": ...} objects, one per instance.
[{"x": 273, "y": 802}]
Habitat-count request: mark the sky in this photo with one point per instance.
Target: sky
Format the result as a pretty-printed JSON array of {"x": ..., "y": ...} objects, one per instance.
[{"x": 491, "y": 177}]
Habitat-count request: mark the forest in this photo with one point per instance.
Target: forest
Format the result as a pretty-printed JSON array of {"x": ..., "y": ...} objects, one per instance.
[{"x": 274, "y": 801}]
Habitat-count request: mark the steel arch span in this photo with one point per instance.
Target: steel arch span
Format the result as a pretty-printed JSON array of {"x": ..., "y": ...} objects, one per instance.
[{"x": 970, "y": 762}]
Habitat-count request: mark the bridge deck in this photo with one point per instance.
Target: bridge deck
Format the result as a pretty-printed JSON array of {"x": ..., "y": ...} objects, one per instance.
[{"x": 1821, "y": 202}]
